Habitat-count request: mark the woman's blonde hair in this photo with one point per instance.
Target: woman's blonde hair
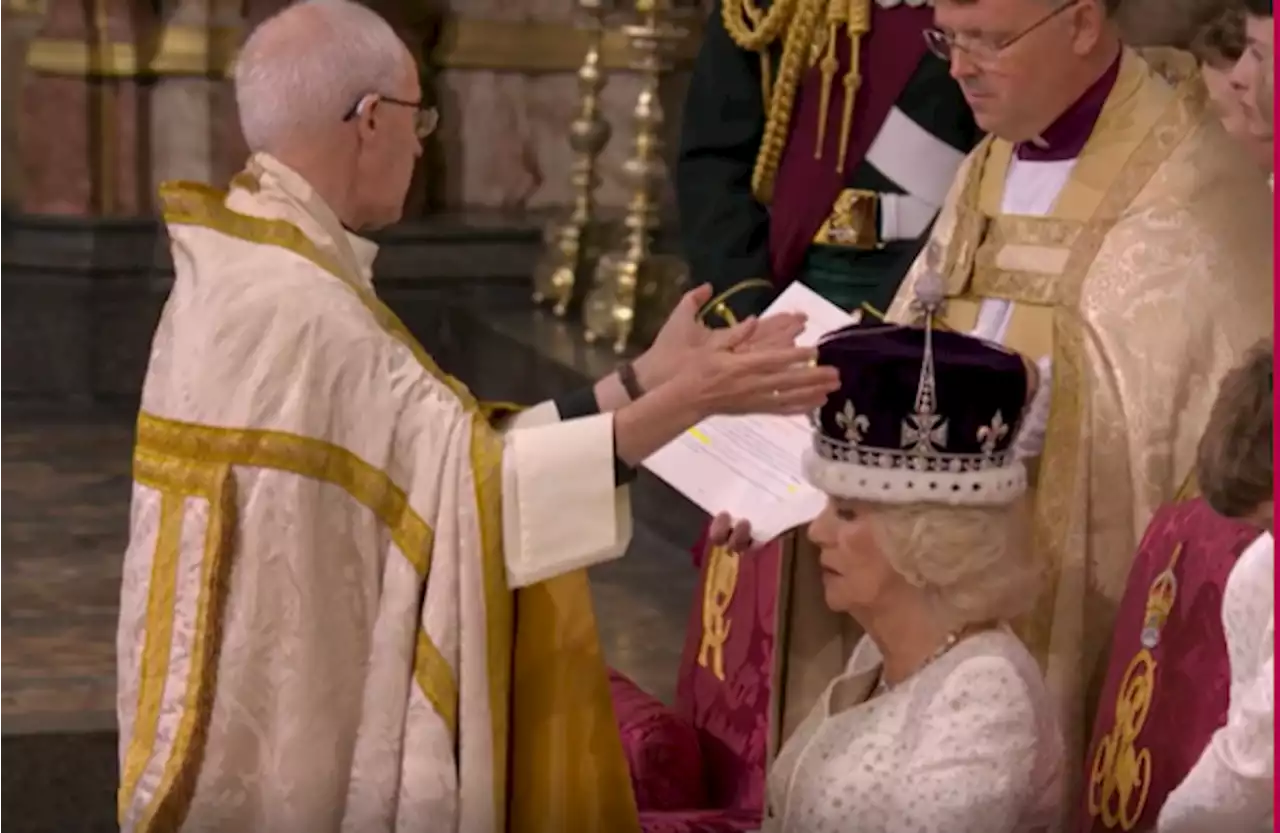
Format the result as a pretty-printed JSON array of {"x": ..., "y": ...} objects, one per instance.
[{"x": 976, "y": 562}]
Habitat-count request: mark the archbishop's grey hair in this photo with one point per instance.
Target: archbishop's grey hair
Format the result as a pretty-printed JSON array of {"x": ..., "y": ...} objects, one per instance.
[{"x": 304, "y": 68}]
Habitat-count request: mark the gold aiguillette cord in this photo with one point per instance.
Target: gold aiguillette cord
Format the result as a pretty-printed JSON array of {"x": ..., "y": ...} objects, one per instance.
[{"x": 855, "y": 16}]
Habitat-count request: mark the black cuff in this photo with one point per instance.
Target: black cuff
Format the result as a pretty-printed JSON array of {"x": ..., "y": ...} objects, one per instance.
[
  {"x": 577, "y": 404},
  {"x": 582, "y": 403},
  {"x": 623, "y": 475}
]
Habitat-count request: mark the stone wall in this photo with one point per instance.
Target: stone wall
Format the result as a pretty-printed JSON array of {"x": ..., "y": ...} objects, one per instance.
[
  {"x": 104, "y": 99},
  {"x": 108, "y": 98}
]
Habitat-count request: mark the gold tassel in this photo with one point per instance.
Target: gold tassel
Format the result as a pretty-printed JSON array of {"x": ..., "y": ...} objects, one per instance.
[
  {"x": 859, "y": 24},
  {"x": 851, "y": 84},
  {"x": 829, "y": 65}
]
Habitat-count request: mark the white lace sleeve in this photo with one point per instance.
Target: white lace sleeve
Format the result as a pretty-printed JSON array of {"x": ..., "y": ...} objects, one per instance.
[
  {"x": 975, "y": 765},
  {"x": 1030, "y": 440},
  {"x": 1231, "y": 786}
]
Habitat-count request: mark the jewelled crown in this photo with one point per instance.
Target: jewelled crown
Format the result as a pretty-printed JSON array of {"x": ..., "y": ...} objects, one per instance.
[{"x": 921, "y": 415}]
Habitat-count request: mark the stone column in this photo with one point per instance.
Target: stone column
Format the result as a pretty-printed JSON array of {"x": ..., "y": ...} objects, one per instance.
[
  {"x": 509, "y": 94},
  {"x": 191, "y": 123},
  {"x": 22, "y": 20}
]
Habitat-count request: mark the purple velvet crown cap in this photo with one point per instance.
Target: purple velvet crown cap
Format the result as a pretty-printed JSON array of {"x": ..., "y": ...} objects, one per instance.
[{"x": 902, "y": 428}]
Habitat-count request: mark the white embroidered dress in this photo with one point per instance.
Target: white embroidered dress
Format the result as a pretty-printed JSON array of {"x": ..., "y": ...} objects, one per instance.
[
  {"x": 1230, "y": 787},
  {"x": 970, "y": 744}
]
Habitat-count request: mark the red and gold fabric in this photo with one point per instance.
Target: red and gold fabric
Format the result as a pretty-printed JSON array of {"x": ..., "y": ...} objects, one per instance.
[{"x": 1168, "y": 681}]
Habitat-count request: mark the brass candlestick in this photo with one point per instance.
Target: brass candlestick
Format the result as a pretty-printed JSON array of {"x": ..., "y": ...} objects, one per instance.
[
  {"x": 634, "y": 288},
  {"x": 573, "y": 245}
]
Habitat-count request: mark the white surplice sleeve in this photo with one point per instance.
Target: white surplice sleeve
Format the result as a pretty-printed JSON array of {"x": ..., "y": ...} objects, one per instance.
[
  {"x": 1231, "y": 787},
  {"x": 974, "y": 768},
  {"x": 560, "y": 510}
]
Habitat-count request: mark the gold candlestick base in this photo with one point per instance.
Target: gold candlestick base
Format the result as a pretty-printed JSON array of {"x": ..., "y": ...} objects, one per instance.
[
  {"x": 635, "y": 316},
  {"x": 573, "y": 244},
  {"x": 633, "y": 288},
  {"x": 571, "y": 249}
]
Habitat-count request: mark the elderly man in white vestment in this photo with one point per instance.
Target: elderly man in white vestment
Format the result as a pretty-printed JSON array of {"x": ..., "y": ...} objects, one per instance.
[
  {"x": 317, "y": 629},
  {"x": 1110, "y": 229}
]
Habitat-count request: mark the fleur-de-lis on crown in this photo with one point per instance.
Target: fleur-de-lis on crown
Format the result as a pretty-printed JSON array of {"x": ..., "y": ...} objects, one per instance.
[
  {"x": 853, "y": 423},
  {"x": 991, "y": 434}
]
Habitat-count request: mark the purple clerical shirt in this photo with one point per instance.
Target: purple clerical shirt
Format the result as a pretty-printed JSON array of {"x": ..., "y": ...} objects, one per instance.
[{"x": 1066, "y": 137}]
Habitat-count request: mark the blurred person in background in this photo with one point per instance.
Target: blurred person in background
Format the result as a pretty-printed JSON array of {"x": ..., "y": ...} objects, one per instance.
[
  {"x": 1255, "y": 72},
  {"x": 1219, "y": 46}
]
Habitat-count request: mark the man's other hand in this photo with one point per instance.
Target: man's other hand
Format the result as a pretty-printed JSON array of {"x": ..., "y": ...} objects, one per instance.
[
  {"x": 684, "y": 335},
  {"x": 728, "y": 379},
  {"x": 724, "y": 532}
]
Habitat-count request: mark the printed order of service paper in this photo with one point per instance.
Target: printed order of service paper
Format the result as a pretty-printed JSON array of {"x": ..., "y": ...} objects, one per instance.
[{"x": 750, "y": 466}]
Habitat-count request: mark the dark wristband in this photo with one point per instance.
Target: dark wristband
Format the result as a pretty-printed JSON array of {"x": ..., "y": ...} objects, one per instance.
[
  {"x": 577, "y": 404},
  {"x": 627, "y": 376}
]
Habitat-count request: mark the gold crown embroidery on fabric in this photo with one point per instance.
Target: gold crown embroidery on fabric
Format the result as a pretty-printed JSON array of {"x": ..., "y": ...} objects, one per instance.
[
  {"x": 1120, "y": 773},
  {"x": 1160, "y": 601}
]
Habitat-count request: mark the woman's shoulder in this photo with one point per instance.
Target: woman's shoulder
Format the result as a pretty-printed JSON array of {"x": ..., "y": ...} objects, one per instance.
[
  {"x": 1249, "y": 598},
  {"x": 1257, "y": 563},
  {"x": 990, "y": 670}
]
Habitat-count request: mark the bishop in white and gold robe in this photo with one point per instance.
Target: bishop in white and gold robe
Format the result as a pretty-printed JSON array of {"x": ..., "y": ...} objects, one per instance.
[
  {"x": 317, "y": 632},
  {"x": 1137, "y": 274}
]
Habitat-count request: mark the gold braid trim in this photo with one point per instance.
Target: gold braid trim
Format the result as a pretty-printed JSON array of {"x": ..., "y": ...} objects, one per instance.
[
  {"x": 753, "y": 30},
  {"x": 795, "y": 55},
  {"x": 719, "y": 305}
]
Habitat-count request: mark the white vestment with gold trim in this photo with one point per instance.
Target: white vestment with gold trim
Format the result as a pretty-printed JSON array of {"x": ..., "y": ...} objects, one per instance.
[{"x": 323, "y": 534}]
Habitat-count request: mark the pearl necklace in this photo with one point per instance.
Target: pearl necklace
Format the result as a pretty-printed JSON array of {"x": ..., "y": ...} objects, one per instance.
[{"x": 883, "y": 686}]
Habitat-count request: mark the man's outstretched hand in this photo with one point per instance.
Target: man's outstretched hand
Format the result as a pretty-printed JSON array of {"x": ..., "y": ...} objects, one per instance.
[
  {"x": 684, "y": 335},
  {"x": 727, "y": 378},
  {"x": 752, "y": 368}
]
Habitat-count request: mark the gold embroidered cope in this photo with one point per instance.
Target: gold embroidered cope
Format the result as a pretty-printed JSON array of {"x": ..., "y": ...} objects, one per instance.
[{"x": 1143, "y": 285}]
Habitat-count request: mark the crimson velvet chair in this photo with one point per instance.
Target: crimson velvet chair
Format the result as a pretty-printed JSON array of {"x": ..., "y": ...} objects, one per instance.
[{"x": 700, "y": 767}]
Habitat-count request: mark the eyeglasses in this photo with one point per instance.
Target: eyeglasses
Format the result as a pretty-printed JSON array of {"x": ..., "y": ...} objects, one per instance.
[
  {"x": 943, "y": 43},
  {"x": 425, "y": 121}
]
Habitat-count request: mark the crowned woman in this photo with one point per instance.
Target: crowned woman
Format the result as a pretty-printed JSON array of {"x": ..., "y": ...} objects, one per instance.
[{"x": 941, "y": 720}]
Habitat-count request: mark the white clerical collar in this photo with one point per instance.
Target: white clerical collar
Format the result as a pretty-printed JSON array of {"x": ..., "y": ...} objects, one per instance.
[
  {"x": 358, "y": 252},
  {"x": 366, "y": 251}
]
